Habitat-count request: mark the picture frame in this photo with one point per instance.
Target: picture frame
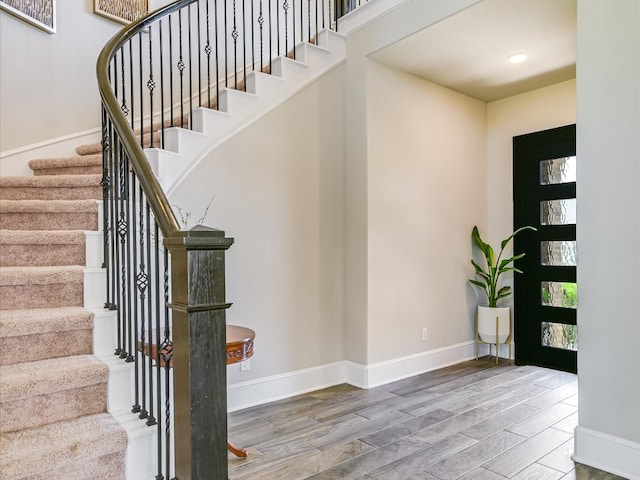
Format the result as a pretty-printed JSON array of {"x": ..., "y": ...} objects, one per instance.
[
  {"x": 121, "y": 11},
  {"x": 40, "y": 13}
]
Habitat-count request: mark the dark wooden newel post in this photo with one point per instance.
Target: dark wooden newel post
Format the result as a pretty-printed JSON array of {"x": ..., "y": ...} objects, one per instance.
[{"x": 198, "y": 307}]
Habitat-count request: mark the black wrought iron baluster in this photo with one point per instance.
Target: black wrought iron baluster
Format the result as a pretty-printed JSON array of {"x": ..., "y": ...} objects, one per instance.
[
  {"x": 234, "y": 35},
  {"x": 293, "y": 27},
  {"x": 167, "y": 357},
  {"x": 181, "y": 67},
  {"x": 171, "y": 113},
  {"x": 308, "y": 21},
  {"x": 128, "y": 277},
  {"x": 142, "y": 282},
  {"x": 244, "y": 44},
  {"x": 152, "y": 241},
  {"x": 207, "y": 51},
  {"x": 105, "y": 183},
  {"x": 317, "y": 17},
  {"x": 285, "y": 7},
  {"x": 162, "y": 91},
  {"x": 323, "y": 15},
  {"x": 151, "y": 85},
  {"x": 190, "y": 51},
  {"x": 199, "y": 32},
  {"x": 132, "y": 86},
  {"x": 120, "y": 229},
  {"x": 141, "y": 90},
  {"x": 261, "y": 23},
  {"x": 216, "y": 35},
  {"x": 158, "y": 353},
  {"x": 271, "y": 34},
  {"x": 226, "y": 46},
  {"x": 253, "y": 40},
  {"x": 138, "y": 405}
]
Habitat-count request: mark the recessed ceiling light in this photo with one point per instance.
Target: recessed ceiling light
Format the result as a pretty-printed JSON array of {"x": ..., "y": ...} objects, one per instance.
[{"x": 518, "y": 57}]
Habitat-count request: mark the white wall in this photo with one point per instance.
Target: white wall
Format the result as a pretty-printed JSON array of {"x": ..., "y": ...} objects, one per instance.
[
  {"x": 47, "y": 82},
  {"x": 426, "y": 190},
  {"x": 608, "y": 235},
  {"x": 278, "y": 189},
  {"x": 409, "y": 17}
]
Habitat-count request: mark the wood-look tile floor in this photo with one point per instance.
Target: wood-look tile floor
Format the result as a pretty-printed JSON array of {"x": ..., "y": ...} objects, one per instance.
[{"x": 471, "y": 421}]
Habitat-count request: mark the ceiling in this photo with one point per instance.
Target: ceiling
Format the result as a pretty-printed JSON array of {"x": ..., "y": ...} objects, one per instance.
[{"x": 468, "y": 52}]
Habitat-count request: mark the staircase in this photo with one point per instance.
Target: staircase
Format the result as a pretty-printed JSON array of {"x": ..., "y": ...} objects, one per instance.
[
  {"x": 53, "y": 390},
  {"x": 57, "y": 379}
]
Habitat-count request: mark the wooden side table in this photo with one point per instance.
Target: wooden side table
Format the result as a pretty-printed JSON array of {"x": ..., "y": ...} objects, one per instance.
[{"x": 239, "y": 349}]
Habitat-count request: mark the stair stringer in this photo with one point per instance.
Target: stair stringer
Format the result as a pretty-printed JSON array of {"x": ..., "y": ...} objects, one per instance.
[{"x": 185, "y": 149}]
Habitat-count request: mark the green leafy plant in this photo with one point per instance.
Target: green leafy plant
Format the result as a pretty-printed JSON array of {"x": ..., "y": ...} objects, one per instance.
[{"x": 494, "y": 267}]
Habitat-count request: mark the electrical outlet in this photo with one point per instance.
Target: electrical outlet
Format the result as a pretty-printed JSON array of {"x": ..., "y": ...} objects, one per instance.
[
  {"x": 245, "y": 365},
  {"x": 425, "y": 335}
]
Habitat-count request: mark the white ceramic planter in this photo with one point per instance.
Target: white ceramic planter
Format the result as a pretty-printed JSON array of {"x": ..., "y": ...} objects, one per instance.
[{"x": 487, "y": 318}]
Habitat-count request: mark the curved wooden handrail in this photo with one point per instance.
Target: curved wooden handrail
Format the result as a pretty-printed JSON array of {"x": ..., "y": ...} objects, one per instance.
[{"x": 166, "y": 219}]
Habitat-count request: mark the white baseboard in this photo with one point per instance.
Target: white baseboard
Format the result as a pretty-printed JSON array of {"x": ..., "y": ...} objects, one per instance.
[
  {"x": 606, "y": 452},
  {"x": 276, "y": 387},
  {"x": 381, "y": 373},
  {"x": 268, "y": 389}
]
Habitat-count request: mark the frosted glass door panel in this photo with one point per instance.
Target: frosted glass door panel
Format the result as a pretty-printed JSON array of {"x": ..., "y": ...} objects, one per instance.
[
  {"x": 558, "y": 212},
  {"x": 558, "y": 253},
  {"x": 560, "y": 294},
  {"x": 560, "y": 335},
  {"x": 558, "y": 170}
]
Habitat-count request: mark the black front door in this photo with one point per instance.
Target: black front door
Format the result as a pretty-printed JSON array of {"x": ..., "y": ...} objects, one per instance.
[{"x": 545, "y": 295}]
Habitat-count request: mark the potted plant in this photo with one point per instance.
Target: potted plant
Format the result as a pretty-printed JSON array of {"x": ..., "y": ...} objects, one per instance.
[{"x": 494, "y": 321}]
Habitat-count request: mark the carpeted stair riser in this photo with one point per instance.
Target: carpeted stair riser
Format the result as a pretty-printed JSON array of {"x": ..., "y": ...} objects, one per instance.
[
  {"x": 39, "y": 334},
  {"x": 47, "y": 187},
  {"x": 87, "y": 448},
  {"x": 41, "y": 287},
  {"x": 80, "y": 165},
  {"x": 29, "y": 248},
  {"x": 47, "y": 215}
]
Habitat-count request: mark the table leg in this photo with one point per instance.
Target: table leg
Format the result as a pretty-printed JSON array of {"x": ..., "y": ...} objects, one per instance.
[{"x": 238, "y": 452}]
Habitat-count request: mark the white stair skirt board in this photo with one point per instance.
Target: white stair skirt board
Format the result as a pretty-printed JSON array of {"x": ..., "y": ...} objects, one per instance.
[
  {"x": 141, "y": 440},
  {"x": 606, "y": 452},
  {"x": 268, "y": 389},
  {"x": 16, "y": 161},
  {"x": 264, "y": 93}
]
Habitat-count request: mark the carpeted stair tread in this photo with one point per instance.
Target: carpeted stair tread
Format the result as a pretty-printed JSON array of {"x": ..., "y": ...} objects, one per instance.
[
  {"x": 96, "y": 148},
  {"x": 64, "y": 450},
  {"x": 47, "y": 206},
  {"x": 51, "y": 187},
  {"x": 32, "y": 321},
  {"x": 40, "y": 287},
  {"x": 51, "y": 390},
  {"x": 37, "y": 334},
  {"x": 42, "y": 247},
  {"x": 41, "y": 275},
  {"x": 29, "y": 379},
  {"x": 49, "y": 215},
  {"x": 78, "y": 165}
]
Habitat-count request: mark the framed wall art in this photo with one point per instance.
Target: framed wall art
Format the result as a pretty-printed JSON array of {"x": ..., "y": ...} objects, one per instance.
[
  {"x": 41, "y": 13},
  {"x": 123, "y": 11}
]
